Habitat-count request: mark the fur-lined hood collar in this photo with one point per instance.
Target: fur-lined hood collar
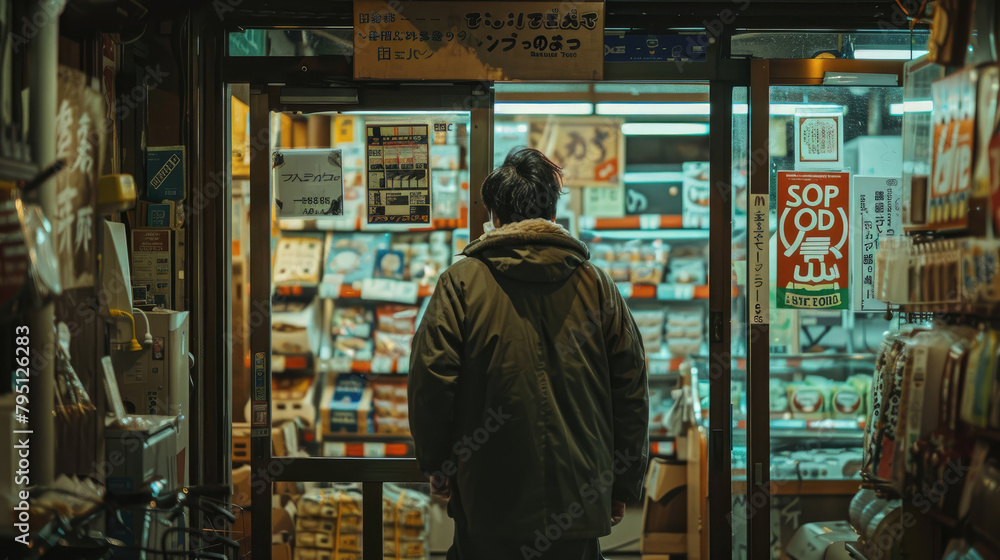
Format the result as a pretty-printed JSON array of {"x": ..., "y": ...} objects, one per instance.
[
  {"x": 534, "y": 250},
  {"x": 536, "y": 231}
]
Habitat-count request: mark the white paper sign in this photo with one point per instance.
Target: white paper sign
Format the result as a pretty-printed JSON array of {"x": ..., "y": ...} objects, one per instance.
[
  {"x": 877, "y": 209},
  {"x": 819, "y": 140},
  {"x": 758, "y": 268},
  {"x": 308, "y": 183},
  {"x": 385, "y": 289}
]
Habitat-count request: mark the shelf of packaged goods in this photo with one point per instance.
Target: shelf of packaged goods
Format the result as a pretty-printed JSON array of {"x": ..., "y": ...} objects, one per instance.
[
  {"x": 346, "y": 292},
  {"x": 826, "y": 428},
  {"x": 281, "y": 363},
  {"x": 380, "y": 365},
  {"x": 663, "y": 367},
  {"x": 662, "y": 446},
  {"x": 641, "y": 221},
  {"x": 12, "y": 170},
  {"x": 299, "y": 225},
  {"x": 662, "y": 292},
  {"x": 367, "y": 445},
  {"x": 809, "y": 487}
]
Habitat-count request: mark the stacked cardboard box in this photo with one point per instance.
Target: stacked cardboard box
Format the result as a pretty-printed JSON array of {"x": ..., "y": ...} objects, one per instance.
[
  {"x": 404, "y": 522},
  {"x": 328, "y": 525}
]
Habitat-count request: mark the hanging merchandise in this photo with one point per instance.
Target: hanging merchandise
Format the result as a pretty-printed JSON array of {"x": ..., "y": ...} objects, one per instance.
[
  {"x": 961, "y": 274},
  {"x": 72, "y": 400}
]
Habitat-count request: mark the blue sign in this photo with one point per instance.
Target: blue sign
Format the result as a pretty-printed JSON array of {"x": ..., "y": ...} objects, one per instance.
[
  {"x": 158, "y": 216},
  {"x": 649, "y": 48},
  {"x": 165, "y": 173}
]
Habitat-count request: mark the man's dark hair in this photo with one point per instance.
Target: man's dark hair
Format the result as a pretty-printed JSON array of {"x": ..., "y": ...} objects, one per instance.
[{"x": 526, "y": 186}]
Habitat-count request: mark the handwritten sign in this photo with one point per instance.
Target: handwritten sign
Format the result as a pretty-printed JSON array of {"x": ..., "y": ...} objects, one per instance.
[
  {"x": 80, "y": 134},
  {"x": 813, "y": 240},
  {"x": 591, "y": 151},
  {"x": 878, "y": 210},
  {"x": 478, "y": 40},
  {"x": 819, "y": 140},
  {"x": 398, "y": 174},
  {"x": 308, "y": 183},
  {"x": 759, "y": 268}
]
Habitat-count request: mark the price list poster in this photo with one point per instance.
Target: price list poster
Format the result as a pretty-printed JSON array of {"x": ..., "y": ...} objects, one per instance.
[{"x": 398, "y": 174}]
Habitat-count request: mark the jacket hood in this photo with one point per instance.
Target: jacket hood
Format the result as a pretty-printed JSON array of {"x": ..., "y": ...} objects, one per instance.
[{"x": 535, "y": 250}]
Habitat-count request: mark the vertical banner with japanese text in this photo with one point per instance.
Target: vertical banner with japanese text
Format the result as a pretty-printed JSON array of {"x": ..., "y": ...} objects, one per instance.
[
  {"x": 80, "y": 133},
  {"x": 758, "y": 267},
  {"x": 478, "y": 40},
  {"x": 877, "y": 214},
  {"x": 813, "y": 249},
  {"x": 398, "y": 174}
]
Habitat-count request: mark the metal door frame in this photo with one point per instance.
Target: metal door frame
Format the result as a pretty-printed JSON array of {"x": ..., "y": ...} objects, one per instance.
[
  {"x": 722, "y": 75},
  {"x": 763, "y": 75},
  {"x": 370, "y": 472}
]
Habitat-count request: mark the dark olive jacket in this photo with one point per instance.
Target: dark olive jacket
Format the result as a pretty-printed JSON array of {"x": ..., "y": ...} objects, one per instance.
[{"x": 528, "y": 387}]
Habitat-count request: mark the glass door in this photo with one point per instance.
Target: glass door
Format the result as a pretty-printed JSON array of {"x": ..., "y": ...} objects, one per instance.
[
  {"x": 355, "y": 203},
  {"x": 828, "y": 134}
]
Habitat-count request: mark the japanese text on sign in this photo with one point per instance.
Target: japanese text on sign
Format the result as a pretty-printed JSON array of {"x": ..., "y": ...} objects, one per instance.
[
  {"x": 878, "y": 210},
  {"x": 308, "y": 183},
  {"x": 80, "y": 134},
  {"x": 758, "y": 267},
  {"x": 484, "y": 40},
  {"x": 398, "y": 174},
  {"x": 813, "y": 240}
]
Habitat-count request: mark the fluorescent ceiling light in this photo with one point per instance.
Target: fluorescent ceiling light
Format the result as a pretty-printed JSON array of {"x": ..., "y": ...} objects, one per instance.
[
  {"x": 664, "y": 129},
  {"x": 510, "y": 127},
  {"x": 698, "y": 109},
  {"x": 788, "y": 109},
  {"x": 887, "y": 54},
  {"x": 654, "y": 177},
  {"x": 913, "y": 106},
  {"x": 555, "y": 108},
  {"x": 918, "y": 106}
]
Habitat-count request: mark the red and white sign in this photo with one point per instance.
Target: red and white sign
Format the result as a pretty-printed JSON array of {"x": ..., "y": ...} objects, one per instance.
[{"x": 812, "y": 261}]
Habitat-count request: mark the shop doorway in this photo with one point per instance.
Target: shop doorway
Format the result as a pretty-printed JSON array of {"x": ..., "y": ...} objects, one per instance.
[{"x": 811, "y": 330}]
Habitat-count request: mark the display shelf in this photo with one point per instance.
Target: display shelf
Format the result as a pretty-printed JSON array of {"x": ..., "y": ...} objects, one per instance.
[
  {"x": 640, "y": 221},
  {"x": 376, "y": 366},
  {"x": 367, "y": 446},
  {"x": 662, "y": 446},
  {"x": 662, "y": 292},
  {"x": 296, "y": 225},
  {"x": 663, "y": 367},
  {"x": 821, "y": 487},
  {"x": 16, "y": 170},
  {"x": 795, "y": 427},
  {"x": 344, "y": 292}
]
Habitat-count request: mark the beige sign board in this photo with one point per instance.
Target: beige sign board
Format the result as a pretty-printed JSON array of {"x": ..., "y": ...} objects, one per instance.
[{"x": 498, "y": 41}]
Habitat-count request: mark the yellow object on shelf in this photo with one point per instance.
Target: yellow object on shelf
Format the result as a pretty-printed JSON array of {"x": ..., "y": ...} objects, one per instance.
[{"x": 115, "y": 193}]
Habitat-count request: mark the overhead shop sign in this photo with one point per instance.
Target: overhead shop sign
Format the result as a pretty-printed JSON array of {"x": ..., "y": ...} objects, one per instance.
[
  {"x": 813, "y": 247},
  {"x": 478, "y": 40}
]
